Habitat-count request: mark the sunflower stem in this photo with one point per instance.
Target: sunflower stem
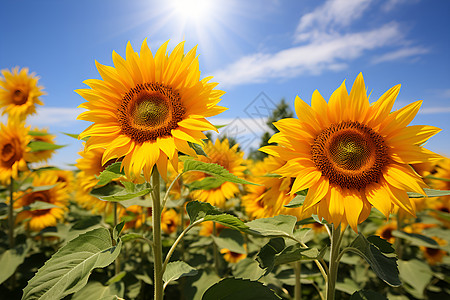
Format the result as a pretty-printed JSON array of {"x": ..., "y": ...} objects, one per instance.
[
  {"x": 157, "y": 246},
  {"x": 334, "y": 262},
  {"x": 298, "y": 284},
  {"x": 216, "y": 251},
  {"x": 117, "y": 261},
  {"x": 398, "y": 246},
  {"x": 11, "y": 221}
]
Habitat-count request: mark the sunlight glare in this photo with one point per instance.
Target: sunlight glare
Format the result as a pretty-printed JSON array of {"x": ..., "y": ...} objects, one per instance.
[{"x": 192, "y": 9}]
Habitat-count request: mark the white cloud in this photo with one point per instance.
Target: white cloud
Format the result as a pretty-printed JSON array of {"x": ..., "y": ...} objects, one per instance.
[
  {"x": 51, "y": 116},
  {"x": 434, "y": 110},
  {"x": 326, "y": 19},
  {"x": 400, "y": 54},
  {"x": 392, "y": 4},
  {"x": 314, "y": 58}
]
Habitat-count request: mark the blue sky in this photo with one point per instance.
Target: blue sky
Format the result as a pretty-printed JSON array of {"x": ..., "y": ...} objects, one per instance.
[{"x": 258, "y": 51}]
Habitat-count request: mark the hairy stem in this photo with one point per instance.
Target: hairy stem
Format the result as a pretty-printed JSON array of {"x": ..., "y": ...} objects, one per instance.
[
  {"x": 298, "y": 284},
  {"x": 157, "y": 246},
  {"x": 334, "y": 262}
]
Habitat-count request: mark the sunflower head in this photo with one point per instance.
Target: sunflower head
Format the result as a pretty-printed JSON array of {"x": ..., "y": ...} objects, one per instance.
[
  {"x": 148, "y": 107},
  {"x": 14, "y": 153},
  {"x": 19, "y": 93},
  {"x": 352, "y": 155},
  {"x": 170, "y": 220},
  {"x": 233, "y": 257},
  {"x": 39, "y": 219},
  {"x": 41, "y": 135}
]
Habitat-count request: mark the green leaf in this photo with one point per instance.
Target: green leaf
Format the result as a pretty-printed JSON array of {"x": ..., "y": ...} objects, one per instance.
[
  {"x": 429, "y": 193},
  {"x": 116, "y": 193},
  {"x": 274, "y": 253},
  {"x": 213, "y": 169},
  {"x": 198, "y": 149},
  {"x": 296, "y": 202},
  {"x": 239, "y": 289},
  {"x": 116, "y": 278},
  {"x": 68, "y": 270},
  {"x": 367, "y": 295},
  {"x": 416, "y": 274},
  {"x": 43, "y": 146},
  {"x": 37, "y": 133},
  {"x": 384, "y": 267},
  {"x": 437, "y": 178},
  {"x": 231, "y": 240},
  {"x": 39, "y": 205},
  {"x": 195, "y": 286},
  {"x": 11, "y": 259},
  {"x": 206, "y": 184},
  {"x": 248, "y": 269},
  {"x": 197, "y": 210},
  {"x": 381, "y": 244},
  {"x": 117, "y": 230},
  {"x": 131, "y": 237},
  {"x": 278, "y": 226},
  {"x": 110, "y": 173},
  {"x": 416, "y": 239},
  {"x": 177, "y": 269},
  {"x": 306, "y": 221},
  {"x": 95, "y": 291}
]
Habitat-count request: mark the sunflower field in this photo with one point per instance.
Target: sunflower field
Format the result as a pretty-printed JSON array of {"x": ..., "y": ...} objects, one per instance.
[{"x": 342, "y": 200}]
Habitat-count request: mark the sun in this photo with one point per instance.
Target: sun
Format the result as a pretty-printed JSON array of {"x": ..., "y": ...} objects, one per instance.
[{"x": 194, "y": 10}]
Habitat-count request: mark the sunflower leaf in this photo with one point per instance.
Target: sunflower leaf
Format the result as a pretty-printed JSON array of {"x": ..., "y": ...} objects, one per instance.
[
  {"x": 11, "y": 259},
  {"x": 385, "y": 267},
  {"x": 68, "y": 270},
  {"x": 429, "y": 193},
  {"x": 36, "y": 146},
  {"x": 37, "y": 133},
  {"x": 198, "y": 149},
  {"x": 38, "y": 205},
  {"x": 197, "y": 210},
  {"x": 213, "y": 169},
  {"x": 296, "y": 202},
  {"x": 367, "y": 294},
  {"x": 115, "y": 193},
  {"x": 177, "y": 269},
  {"x": 110, "y": 173},
  {"x": 278, "y": 226},
  {"x": 235, "y": 288},
  {"x": 416, "y": 239},
  {"x": 231, "y": 240},
  {"x": 96, "y": 290},
  {"x": 206, "y": 183}
]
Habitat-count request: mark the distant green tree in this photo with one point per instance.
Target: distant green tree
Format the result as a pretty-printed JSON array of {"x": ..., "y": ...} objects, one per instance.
[{"x": 283, "y": 110}]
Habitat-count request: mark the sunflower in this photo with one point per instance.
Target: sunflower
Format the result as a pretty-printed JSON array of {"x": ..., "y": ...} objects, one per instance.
[
  {"x": 207, "y": 228},
  {"x": 19, "y": 93},
  {"x": 14, "y": 153},
  {"x": 231, "y": 159},
  {"x": 352, "y": 155},
  {"x": 268, "y": 199},
  {"x": 39, "y": 219},
  {"x": 148, "y": 108},
  {"x": 134, "y": 216},
  {"x": 65, "y": 177},
  {"x": 169, "y": 221},
  {"x": 90, "y": 166},
  {"x": 233, "y": 257},
  {"x": 434, "y": 255},
  {"x": 385, "y": 231},
  {"x": 41, "y": 135}
]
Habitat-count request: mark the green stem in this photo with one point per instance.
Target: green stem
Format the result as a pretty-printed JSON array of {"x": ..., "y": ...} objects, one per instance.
[
  {"x": 216, "y": 251},
  {"x": 334, "y": 263},
  {"x": 298, "y": 284},
  {"x": 157, "y": 245},
  {"x": 398, "y": 246},
  {"x": 117, "y": 261},
  {"x": 11, "y": 215}
]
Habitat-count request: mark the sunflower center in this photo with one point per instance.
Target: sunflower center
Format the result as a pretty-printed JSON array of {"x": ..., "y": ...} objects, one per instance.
[
  {"x": 350, "y": 154},
  {"x": 19, "y": 97},
  {"x": 7, "y": 152},
  {"x": 43, "y": 196},
  {"x": 149, "y": 111}
]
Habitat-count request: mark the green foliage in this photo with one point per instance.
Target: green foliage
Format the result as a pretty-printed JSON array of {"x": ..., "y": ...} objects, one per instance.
[
  {"x": 116, "y": 193},
  {"x": 197, "y": 210},
  {"x": 11, "y": 259},
  {"x": 416, "y": 239},
  {"x": 43, "y": 146},
  {"x": 95, "y": 290},
  {"x": 68, "y": 270},
  {"x": 416, "y": 275},
  {"x": 278, "y": 226},
  {"x": 212, "y": 169},
  {"x": 429, "y": 193},
  {"x": 231, "y": 240},
  {"x": 237, "y": 289},
  {"x": 367, "y": 295},
  {"x": 385, "y": 267},
  {"x": 110, "y": 173},
  {"x": 177, "y": 269},
  {"x": 296, "y": 202}
]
